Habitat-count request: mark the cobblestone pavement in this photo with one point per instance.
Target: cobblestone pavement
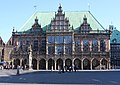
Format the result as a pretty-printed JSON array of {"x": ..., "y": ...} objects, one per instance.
[{"x": 108, "y": 77}]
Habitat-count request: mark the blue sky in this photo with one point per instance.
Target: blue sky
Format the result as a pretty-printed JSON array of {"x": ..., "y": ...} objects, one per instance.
[{"x": 14, "y": 13}]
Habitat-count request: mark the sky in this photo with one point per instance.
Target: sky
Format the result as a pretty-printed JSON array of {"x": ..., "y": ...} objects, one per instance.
[{"x": 14, "y": 13}]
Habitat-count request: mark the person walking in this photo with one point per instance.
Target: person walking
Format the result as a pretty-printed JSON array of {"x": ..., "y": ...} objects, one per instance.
[{"x": 18, "y": 70}]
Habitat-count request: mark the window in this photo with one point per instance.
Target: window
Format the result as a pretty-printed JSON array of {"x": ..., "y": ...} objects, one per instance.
[
  {"x": 68, "y": 39},
  {"x": 20, "y": 44},
  {"x": 51, "y": 49},
  {"x": 68, "y": 50},
  {"x": 51, "y": 39},
  {"x": 86, "y": 45},
  {"x": 28, "y": 42},
  {"x": 59, "y": 39},
  {"x": 77, "y": 45},
  {"x": 59, "y": 50},
  {"x": 35, "y": 45},
  {"x": 56, "y": 39},
  {"x": 94, "y": 45},
  {"x": 102, "y": 46},
  {"x": 42, "y": 48}
]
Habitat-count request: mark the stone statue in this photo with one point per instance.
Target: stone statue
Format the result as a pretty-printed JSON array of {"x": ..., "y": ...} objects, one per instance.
[{"x": 30, "y": 57}]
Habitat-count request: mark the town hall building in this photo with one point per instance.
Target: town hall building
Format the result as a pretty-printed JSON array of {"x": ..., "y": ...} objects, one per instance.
[{"x": 53, "y": 40}]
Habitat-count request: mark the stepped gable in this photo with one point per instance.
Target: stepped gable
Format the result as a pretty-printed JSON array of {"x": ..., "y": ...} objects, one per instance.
[{"x": 60, "y": 22}]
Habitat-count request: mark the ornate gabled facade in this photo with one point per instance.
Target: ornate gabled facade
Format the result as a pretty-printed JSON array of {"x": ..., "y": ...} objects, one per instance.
[
  {"x": 85, "y": 27},
  {"x": 62, "y": 40},
  {"x": 22, "y": 42}
]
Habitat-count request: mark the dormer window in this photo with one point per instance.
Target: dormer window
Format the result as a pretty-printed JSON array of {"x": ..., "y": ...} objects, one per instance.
[
  {"x": 85, "y": 27},
  {"x": 36, "y": 27}
]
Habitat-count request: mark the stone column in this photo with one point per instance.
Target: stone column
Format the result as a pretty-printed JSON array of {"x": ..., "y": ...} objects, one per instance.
[
  {"x": 55, "y": 49},
  {"x": 21, "y": 62},
  {"x": 73, "y": 44},
  {"x": 98, "y": 45},
  {"x": 37, "y": 64},
  {"x": 55, "y": 64},
  {"x": 91, "y": 64},
  {"x": 106, "y": 44},
  {"x": 72, "y": 62},
  {"x": 64, "y": 48},
  {"x": 81, "y": 45},
  {"x": 46, "y": 65},
  {"x": 100, "y": 64},
  {"x": 63, "y": 62},
  {"x": 47, "y": 49},
  {"x": 82, "y": 64},
  {"x": 46, "y": 45},
  {"x": 108, "y": 64},
  {"x": 90, "y": 45}
]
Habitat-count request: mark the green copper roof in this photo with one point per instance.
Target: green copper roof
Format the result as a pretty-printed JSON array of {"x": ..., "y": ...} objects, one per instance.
[
  {"x": 115, "y": 37},
  {"x": 75, "y": 19}
]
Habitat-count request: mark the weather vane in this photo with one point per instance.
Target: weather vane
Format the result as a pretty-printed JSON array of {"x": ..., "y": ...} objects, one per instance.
[
  {"x": 88, "y": 7},
  {"x": 35, "y": 7}
]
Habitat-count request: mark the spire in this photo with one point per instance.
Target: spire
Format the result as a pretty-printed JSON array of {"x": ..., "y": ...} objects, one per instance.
[
  {"x": 60, "y": 8},
  {"x": 85, "y": 19},
  {"x": 13, "y": 29},
  {"x": 36, "y": 20}
]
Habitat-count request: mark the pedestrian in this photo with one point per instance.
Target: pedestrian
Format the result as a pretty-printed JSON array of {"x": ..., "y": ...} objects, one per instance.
[
  {"x": 75, "y": 68},
  {"x": 70, "y": 68},
  {"x": 66, "y": 68},
  {"x": 18, "y": 70},
  {"x": 62, "y": 69},
  {"x": 59, "y": 69}
]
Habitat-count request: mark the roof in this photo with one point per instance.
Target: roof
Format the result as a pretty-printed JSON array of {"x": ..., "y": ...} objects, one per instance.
[
  {"x": 1, "y": 42},
  {"x": 115, "y": 37},
  {"x": 9, "y": 41},
  {"x": 75, "y": 19}
]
